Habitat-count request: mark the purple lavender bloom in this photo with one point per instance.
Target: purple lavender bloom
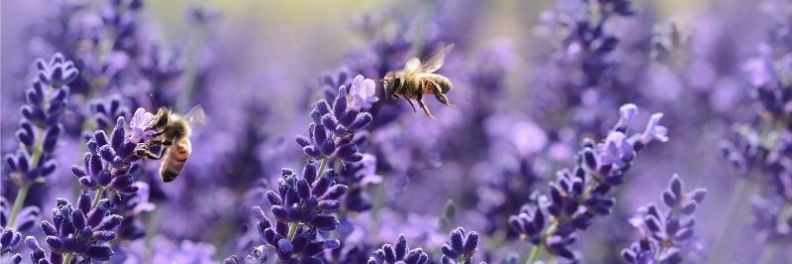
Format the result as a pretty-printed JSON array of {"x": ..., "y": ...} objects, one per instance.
[
  {"x": 40, "y": 129},
  {"x": 111, "y": 165},
  {"x": 336, "y": 136},
  {"x": 372, "y": 170},
  {"x": 357, "y": 176},
  {"x": 110, "y": 162},
  {"x": 141, "y": 124},
  {"x": 40, "y": 126},
  {"x": 760, "y": 150},
  {"x": 583, "y": 192},
  {"x": 362, "y": 93},
  {"x": 399, "y": 252},
  {"x": 303, "y": 207},
  {"x": 77, "y": 233},
  {"x": 332, "y": 133},
  {"x": 256, "y": 256},
  {"x": 310, "y": 199},
  {"x": 25, "y": 218},
  {"x": 666, "y": 236},
  {"x": 9, "y": 237},
  {"x": 105, "y": 112},
  {"x": 461, "y": 247},
  {"x": 131, "y": 207},
  {"x": 162, "y": 74}
]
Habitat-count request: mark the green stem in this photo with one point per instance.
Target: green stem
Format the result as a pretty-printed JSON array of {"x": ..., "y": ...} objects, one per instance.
[
  {"x": 293, "y": 226},
  {"x": 322, "y": 167},
  {"x": 767, "y": 253},
  {"x": 292, "y": 230},
  {"x": 35, "y": 158},
  {"x": 37, "y": 147},
  {"x": 191, "y": 71},
  {"x": 99, "y": 194},
  {"x": 25, "y": 186},
  {"x": 18, "y": 202},
  {"x": 67, "y": 258},
  {"x": 536, "y": 251},
  {"x": 735, "y": 204}
]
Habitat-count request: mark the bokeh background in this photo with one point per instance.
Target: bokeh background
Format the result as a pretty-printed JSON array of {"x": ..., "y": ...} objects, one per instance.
[{"x": 524, "y": 99}]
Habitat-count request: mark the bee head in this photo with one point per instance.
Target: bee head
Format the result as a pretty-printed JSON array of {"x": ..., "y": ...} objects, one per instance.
[
  {"x": 162, "y": 118},
  {"x": 389, "y": 83}
]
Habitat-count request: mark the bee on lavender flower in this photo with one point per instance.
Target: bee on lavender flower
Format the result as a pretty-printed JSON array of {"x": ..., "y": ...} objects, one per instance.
[
  {"x": 172, "y": 136},
  {"x": 418, "y": 78}
]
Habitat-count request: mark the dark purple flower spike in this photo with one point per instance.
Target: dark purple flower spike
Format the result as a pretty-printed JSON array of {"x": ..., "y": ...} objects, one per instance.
[{"x": 399, "y": 252}]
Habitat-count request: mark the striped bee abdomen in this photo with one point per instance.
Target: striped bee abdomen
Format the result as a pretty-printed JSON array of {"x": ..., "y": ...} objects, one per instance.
[{"x": 175, "y": 158}]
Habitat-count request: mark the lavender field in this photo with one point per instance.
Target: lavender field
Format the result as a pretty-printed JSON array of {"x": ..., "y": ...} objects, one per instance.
[{"x": 410, "y": 132}]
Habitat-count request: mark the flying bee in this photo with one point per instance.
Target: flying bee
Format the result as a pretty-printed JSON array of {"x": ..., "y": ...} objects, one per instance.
[
  {"x": 173, "y": 137},
  {"x": 418, "y": 78}
]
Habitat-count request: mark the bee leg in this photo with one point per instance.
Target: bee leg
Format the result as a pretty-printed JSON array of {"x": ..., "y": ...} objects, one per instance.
[
  {"x": 159, "y": 142},
  {"x": 142, "y": 151},
  {"x": 158, "y": 133},
  {"x": 440, "y": 96},
  {"x": 411, "y": 104},
  {"x": 443, "y": 99},
  {"x": 424, "y": 106}
]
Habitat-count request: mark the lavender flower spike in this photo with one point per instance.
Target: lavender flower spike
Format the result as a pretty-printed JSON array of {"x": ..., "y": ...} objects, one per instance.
[
  {"x": 40, "y": 129},
  {"x": 77, "y": 231},
  {"x": 110, "y": 161},
  {"x": 303, "y": 206},
  {"x": 579, "y": 194},
  {"x": 460, "y": 247},
  {"x": 398, "y": 253},
  {"x": 40, "y": 126},
  {"x": 666, "y": 235}
]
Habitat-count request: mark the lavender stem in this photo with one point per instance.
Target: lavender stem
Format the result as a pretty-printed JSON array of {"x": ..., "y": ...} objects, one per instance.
[
  {"x": 536, "y": 251},
  {"x": 34, "y": 160},
  {"x": 99, "y": 194},
  {"x": 293, "y": 226},
  {"x": 18, "y": 201},
  {"x": 738, "y": 195},
  {"x": 67, "y": 258},
  {"x": 768, "y": 251}
]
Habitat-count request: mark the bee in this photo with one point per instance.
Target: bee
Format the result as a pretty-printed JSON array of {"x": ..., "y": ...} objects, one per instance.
[
  {"x": 418, "y": 78},
  {"x": 173, "y": 138}
]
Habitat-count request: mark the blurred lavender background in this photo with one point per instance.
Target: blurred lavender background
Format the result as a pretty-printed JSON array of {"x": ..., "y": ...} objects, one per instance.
[{"x": 537, "y": 161}]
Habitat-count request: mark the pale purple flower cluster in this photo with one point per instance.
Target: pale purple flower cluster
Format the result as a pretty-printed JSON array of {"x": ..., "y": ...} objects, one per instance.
[
  {"x": 667, "y": 236},
  {"x": 581, "y": 193}
]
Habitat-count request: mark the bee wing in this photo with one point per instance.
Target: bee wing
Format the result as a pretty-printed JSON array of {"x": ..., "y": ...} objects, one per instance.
[
  {"x": 434, "y": 61},
  {"x": 412, "y": 66},
  {"x": 196, "y": 116}
]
